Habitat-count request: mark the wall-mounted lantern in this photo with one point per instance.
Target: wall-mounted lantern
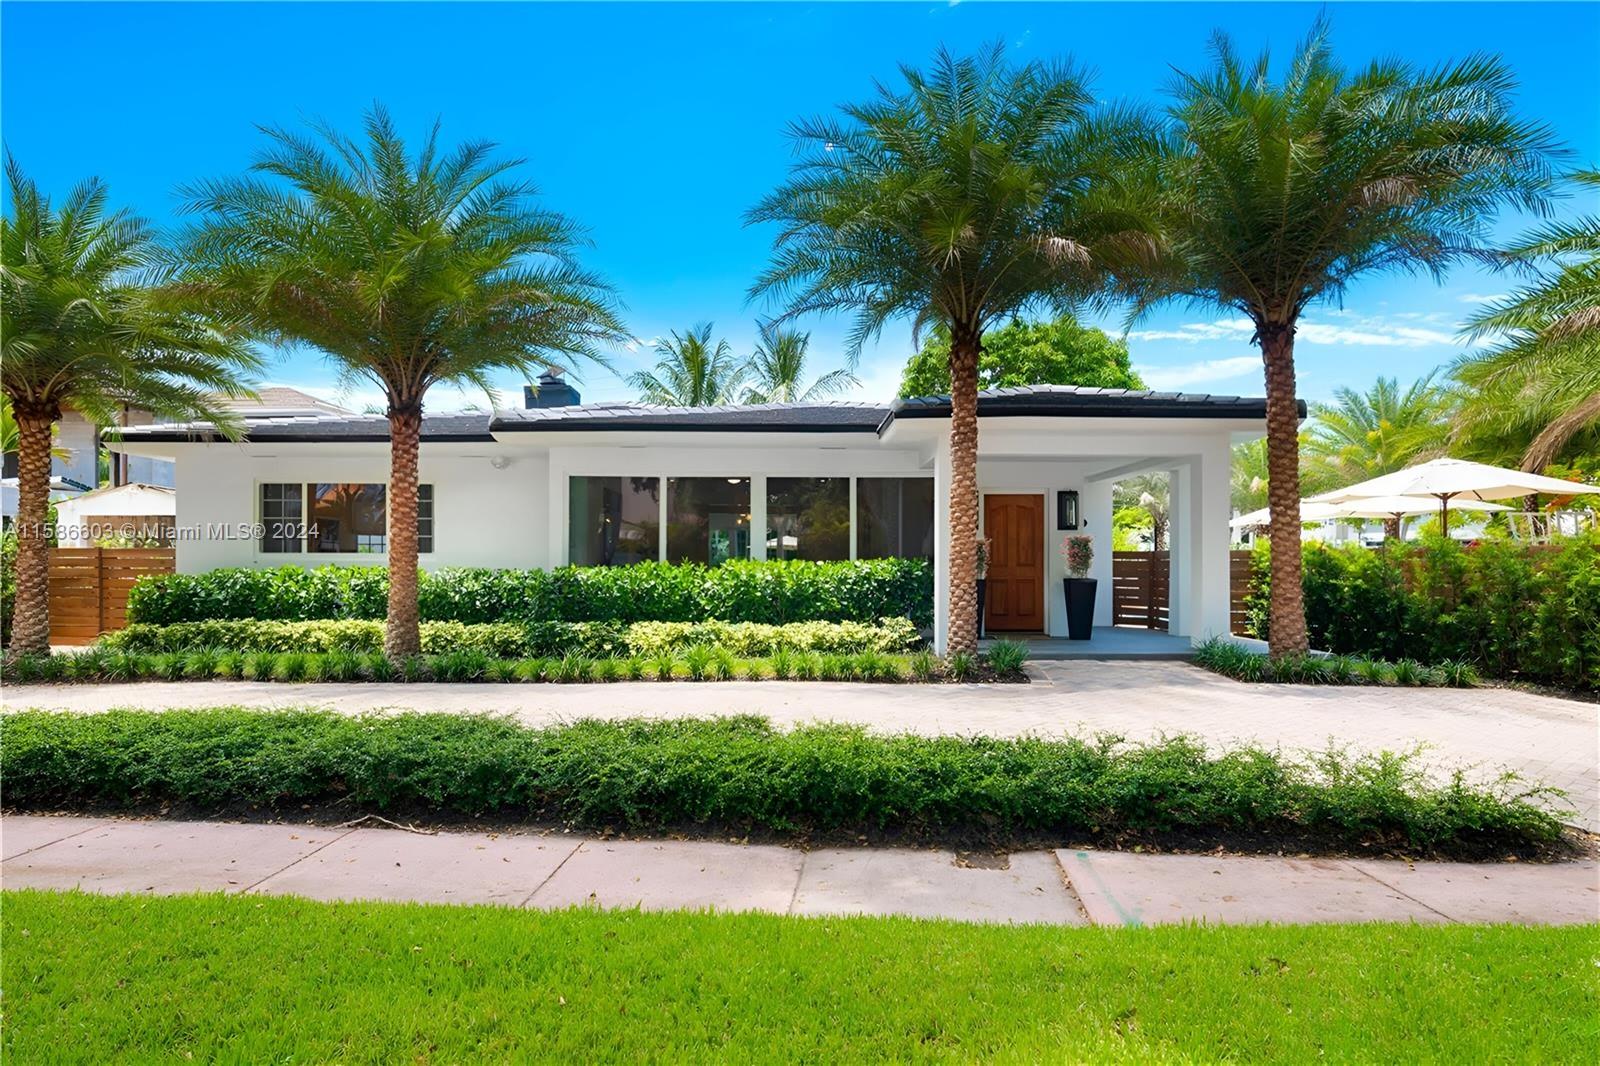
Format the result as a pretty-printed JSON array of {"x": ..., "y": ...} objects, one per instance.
[{"x": 1067, "y": 509}]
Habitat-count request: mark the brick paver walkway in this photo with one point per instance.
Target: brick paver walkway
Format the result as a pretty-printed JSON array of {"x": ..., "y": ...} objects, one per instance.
[
  {"x": 1066, "y": 887},
  {"x": 1552, "y": 741}
]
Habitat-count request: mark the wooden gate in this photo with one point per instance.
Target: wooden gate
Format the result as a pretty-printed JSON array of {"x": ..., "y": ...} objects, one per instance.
[
  {"x": 89, "y": 588},
  {"x": 1139, "y": 582}
]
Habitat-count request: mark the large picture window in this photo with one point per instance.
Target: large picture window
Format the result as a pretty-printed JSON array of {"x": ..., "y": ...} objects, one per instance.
[
  {"x": 808, "y": 518},
  {"x": 335, "y": 517},
  {"x": 613, "y": 521},
  {"x": 894, "y": 517},
  {"x": 347, "y": 517},
  {"x": 708, "y": 519}
]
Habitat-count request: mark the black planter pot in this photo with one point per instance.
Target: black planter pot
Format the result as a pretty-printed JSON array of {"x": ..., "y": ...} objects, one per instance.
[
  {"x": 1080, "y": 606},
  {"x": 983, "y": 587}
]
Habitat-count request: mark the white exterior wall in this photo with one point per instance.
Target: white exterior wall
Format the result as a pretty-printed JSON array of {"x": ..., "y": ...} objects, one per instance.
[
  {"x": 482, "y": 516},
  {"x": 515, "y": 515}
]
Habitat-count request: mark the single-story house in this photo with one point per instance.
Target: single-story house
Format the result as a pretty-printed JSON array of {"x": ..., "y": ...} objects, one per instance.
[{"x": 559, "y": 481}]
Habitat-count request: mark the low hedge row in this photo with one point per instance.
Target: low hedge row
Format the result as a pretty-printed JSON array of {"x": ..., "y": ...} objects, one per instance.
[
  {"x": 517, "y": 640},
  {"x": 741, "y": 591},
  {"x": 1515, "y": 611},
  {"x": 698, "y": 662},
  {"x": 741, "y": 772},
  {"x": 1242, "y": 664}
]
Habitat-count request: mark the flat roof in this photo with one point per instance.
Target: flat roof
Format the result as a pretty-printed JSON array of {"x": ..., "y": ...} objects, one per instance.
[{"x": 1046, "y": 401}]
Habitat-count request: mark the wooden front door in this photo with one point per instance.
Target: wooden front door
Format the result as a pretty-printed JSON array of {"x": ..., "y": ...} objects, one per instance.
[{"x": 1014, "y": 525}]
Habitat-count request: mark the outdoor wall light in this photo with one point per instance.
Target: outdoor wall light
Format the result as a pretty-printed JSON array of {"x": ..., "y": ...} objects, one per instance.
[{"x": 1067, "y": 509}]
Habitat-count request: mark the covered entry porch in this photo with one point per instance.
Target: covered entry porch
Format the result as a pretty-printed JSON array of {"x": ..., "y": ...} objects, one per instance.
[{"x": 1043, "y": 477}]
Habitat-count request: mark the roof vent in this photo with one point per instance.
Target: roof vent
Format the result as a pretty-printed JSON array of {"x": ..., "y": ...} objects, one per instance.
[{"x": 552, "y": 391}]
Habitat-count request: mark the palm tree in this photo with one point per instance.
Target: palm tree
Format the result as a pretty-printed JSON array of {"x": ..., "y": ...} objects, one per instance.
[
  {"x": 405, "y": 270},
  {"x": 90, "y": 322},
  {"x": 975, "y": 191},
  {"x": 1279, "y": 194},
  {"x": 778, "y": 370},
  {"x": 1539, "y": 385},
  {"x": 1363, "y": 434},
  {"x": 1248, "y": 481},
  {"x": 691, "y": 370}
]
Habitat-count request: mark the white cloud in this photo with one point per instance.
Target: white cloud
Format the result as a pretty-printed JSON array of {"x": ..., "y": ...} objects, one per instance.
[
  {"x": 1177, "y": 377},
  {"x": 1367, "y": 332},
  {"x": 1480, "y": 297}
]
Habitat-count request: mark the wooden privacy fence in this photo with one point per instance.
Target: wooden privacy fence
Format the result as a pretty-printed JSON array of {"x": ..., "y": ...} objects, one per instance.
[
  {"x": 1140, "y": 583},
  {"x": 89, "y": 588}
]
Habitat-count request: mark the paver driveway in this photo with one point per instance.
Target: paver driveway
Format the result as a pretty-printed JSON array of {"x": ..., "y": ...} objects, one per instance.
[{"x": 1552, "y": 741}]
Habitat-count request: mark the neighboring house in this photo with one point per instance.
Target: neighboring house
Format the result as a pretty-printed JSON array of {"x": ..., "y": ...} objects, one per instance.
[
  {"x": 132, "y": 515},
  {"x": 613, "y": 483}
]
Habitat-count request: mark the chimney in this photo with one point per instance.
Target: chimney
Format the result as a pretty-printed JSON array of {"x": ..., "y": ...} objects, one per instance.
[{"x": 553, "y": 391}]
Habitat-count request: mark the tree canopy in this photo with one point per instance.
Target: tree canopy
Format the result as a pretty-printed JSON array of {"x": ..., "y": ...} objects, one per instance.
[{"x": 1057, "y": 352}]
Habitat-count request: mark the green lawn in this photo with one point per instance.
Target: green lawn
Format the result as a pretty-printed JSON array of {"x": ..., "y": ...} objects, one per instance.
[{"x": 96, "y": 979}]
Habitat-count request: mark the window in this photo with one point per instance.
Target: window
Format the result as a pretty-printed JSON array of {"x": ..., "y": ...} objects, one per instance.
[
  {"x": 281, "y": 517},
  {"x": 424, "y": 518},
  {"x": 613, "y": 521},
  {"x": 347, "y": 517},
  {"x": 894, "y": 517},
  {"x": 808, "y": 518},
  {"x": 708, "y": 519},
  {"x": 331, "y": 517}
]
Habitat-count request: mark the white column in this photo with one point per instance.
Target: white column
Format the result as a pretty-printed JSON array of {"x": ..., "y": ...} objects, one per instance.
[
  {"x": 941, "y": 544},
  {"x": 556, "y": 514},
  {"x": 1180, "y": 543},
  {"x": 1211, "y": 510},
  {"x": 1094, "y": 518}
]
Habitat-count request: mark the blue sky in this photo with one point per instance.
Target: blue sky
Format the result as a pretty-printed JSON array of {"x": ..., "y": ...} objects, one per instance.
[{"x": 657, "y": 125}]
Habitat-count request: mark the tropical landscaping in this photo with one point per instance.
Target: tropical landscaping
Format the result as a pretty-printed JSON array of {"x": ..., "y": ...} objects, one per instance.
[{"x": 1023, "y": 224}]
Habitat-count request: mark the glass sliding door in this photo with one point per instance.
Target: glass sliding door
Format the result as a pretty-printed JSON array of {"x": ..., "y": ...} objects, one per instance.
[
  {"x": 808, "y": 518},
  {"x": 708, "y": 519},
  {"x": 894, "y": 517},
  {"x": 613, "y": 521}
]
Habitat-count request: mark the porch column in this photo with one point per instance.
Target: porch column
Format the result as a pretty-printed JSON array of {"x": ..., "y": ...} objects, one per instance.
[
  {"x": 1210, "y": 511},
  {"x": 941, "y": 544},
  {"x": 1180, "y": 550},
  {"x": 1095, "y": 512}
]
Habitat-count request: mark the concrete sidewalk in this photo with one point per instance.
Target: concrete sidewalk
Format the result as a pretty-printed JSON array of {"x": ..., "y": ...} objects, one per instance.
[{"x": 1066, "y": 887}]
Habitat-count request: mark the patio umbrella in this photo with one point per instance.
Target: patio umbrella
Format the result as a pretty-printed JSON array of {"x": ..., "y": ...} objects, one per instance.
[
  {"x": 1309, "y": 512},
  {"x": 1386, "y": 507},
  {"x": 1454, "y": 479}
]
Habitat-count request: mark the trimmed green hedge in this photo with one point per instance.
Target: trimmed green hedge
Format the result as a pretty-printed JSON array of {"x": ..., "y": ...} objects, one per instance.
[
  {"x": 1242, "y": 664},
  {"x": 1516, "y": 612},
  {"x": 741, "y": 591},
  {"x": 741, "y": 772},
  {"x": 517, "y": 640}
]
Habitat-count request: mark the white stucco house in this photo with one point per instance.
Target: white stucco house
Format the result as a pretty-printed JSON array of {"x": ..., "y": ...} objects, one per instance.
[{"x": 559, "y": 482}]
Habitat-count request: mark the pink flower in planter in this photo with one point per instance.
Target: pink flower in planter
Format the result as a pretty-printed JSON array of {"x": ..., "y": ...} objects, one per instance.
[{"x": 1077, "y": 551}]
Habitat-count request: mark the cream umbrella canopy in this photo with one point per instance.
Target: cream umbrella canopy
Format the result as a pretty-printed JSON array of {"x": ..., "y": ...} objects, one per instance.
[
  {"x": 1454, "y": 479},
  {"x": 1386, "y": 507}
]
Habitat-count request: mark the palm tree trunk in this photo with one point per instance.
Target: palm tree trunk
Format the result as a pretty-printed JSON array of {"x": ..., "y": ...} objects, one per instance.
[
  {"x": 30, "y": 625},
  {"x": 965, "y": 344},
  {"x": 1391, "y": 528},
  {"x": 402, "y": 637},
  {"x": 1286, "y": 635}
]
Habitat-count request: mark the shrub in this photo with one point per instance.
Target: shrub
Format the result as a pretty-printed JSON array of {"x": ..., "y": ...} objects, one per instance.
[
  {"x": 1007, "y": 656},
  {"x": 773, "y": 593},
  {"x": 1242, "y": 664},
  {"x": 1515, "y": 611},
  {"x": 515, "y": 640},
  {"x": 743, "y": 773}
]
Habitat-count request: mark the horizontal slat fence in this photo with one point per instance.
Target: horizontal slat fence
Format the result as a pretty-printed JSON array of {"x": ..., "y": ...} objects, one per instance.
[
  {"x": 89, "y": 588},
  {"x": 1140, "y": 582}
]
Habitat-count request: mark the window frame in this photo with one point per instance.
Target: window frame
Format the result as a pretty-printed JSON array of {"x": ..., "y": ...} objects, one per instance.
[{"x": 301, "y": 548}]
